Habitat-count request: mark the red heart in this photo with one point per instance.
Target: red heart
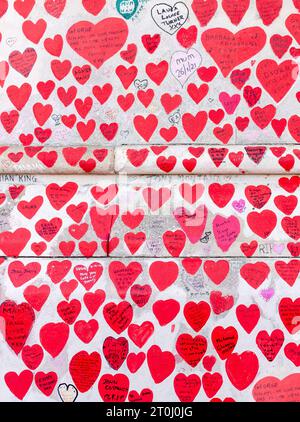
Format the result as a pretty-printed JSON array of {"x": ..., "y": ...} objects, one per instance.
[
  {"x": 13, "y": 243},
  {"x": 263, "y": 116},
  {"x": 30, "y": 208},
  {"x": 140, "y": 294},
  {"x": 294, "y": 249},
  {"x": 161, "y": 364},
  {"x": 294, "y": 127},
  {"x": 69, "y": 311},
  {"x": 88, "y": 276},
  {"x": 93, "y": 6},
  {"x": 293, "y": 25},
  {"x": 163, "y": 274},
  {"x": 262, "y": 223},
  {"x": 220, "y": 303},
  {"x": 276, "y": 390},
  {"x": 124, "y": 276},
  {"x": 291, "y": 225},
  {"x": 223, "y": 133},
  {"x": 242, "y": 369},
  {"x": 289, "y": 312},
  {"x": 197, "y": 314},
  {"x": 68, "y": 287},
  {"x": 258, "y": 196},
  {"x": 34, "y": 31},
  {"x": 187, "y": 387},
  {"x": 82, "y": 74},
  {"x": 126, "y": 75},
  {"x": 118, "y": 317},
  {"x": 242, "y": 123},
  {"x": 135, "y": 361},
  {"x": 113, "y": 388},
  {"x": 133, "y": 219},
  {"x": 174, "y": 242},
  {"x": 54, "y": 46},
  {"x": 38, "y": 248},
  {"x": 292, "y": 352},
  {"x": 4, "y": 66},
  {"x": 93, "y": 301},
  {"x": 217, "y": 155},
  {"x": 32, "y": 356},
  {"x": 255, "y": 274},
  {"x": 19, "y": 96},
  {"x": 217, "y": 271},
  {"x": 48, "y": 229},
  {"x": 187, "y": 37},
  {"x": 58, "y": 196},
  {"x": 215, "y": 42},
  {"x": 270, "y": 75},
  {"x": 192, "y": 223},
  {"x": 191, "y": 265},
  {"x": 166, "y": 164},
  {"x": 146, "y": 97},
  {"x": 209, "y": 362},
  {"x": 19, "y": 384},
  {"x": 191, "y": 349},
  {"x": 235, "y": 9},
  {"x": 9, "y": 120},
  {"x": 145, "y": 396},
  {"x": 248, "y": 316},
  {"x": 270, "y": 344},
  {"x": 212, "y": 383},
  {"x": 53, "y": 337},
  {"x": 46, "y": 382},
  {"x": 17, "y": 323},
  {"x": 76, "y": 212},
  {"x": 129, "y": 54},
  {"x": 279, "y": 126},
  {"x": 89, "y": 40},
  {"x": 194, "y": 125},
  {"x": 204, "y": 10},
  {"x": 165, "y": 310},
  {"x": 280, "y": 44},
  {"x": 102, "y": 94},
  {"x": 57, "y": 270},
  {"x": 252, "y": 95},
  {"x": 221, "y": 194},
  {"x": 224, "y": 340},
  {"x": 197, "y": 93},
  {"x": 145, "y": 126},
  {"x": 236, "y": 158},
  {"x": 115, "y": 351},
  {"x": 21, "y": 274},
  {"x": 268, "y": 10},
  {"x": 155, "y": 199},
  {"x": 288, "y": 271},
  {"x": 157, "y": 72},
  {"x": 23, "y": 62},
  {"x": 55, "y": 7},
  {"x": 24, "y": 7},
  {"x": 137, "y": 157},
  {"x": 103, "y": 220},
  {"x": 151, "y": 42},
  {"x": 85, "y": 369},
  {"x": 140, "y": 334}
]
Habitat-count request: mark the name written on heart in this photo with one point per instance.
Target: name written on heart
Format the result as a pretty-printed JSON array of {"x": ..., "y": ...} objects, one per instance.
[
  {"x": 184, "y": 64},
  {"x": 170, "y": 18}
]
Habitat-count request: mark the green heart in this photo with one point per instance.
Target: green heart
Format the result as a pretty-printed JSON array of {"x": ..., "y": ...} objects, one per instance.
[{"x": 127, "y": 8}]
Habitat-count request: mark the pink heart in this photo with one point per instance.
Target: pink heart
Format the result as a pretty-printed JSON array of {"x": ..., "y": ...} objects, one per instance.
[
  {"x": 226, "y": 231},
  {"x": 229, "y": 103}
]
